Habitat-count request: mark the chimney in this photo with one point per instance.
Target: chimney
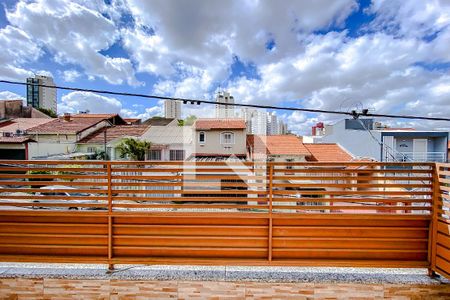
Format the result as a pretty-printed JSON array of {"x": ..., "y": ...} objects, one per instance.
[{"x": 66, "y": 117}]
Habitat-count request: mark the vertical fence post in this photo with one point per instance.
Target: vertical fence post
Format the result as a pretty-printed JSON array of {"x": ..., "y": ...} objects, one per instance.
[
  {"x": 110, "y": 218},
  {"x": 432, "y": 242},
  {"x": 270, "y": 211}
]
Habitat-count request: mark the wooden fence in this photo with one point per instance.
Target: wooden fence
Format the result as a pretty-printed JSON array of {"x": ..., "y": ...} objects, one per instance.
[{"x": 332, "y": 214}]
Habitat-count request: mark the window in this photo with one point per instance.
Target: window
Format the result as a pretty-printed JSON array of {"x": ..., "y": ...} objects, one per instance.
[
  {"x": 176, "y": 154},
  {"x": 90, "y": 149},
  {"x": 227, "y": 138},
  {"x": 154, "y": 155},
  {"x": 289, "y": 166},
  {"x": 201, "y": 137}
]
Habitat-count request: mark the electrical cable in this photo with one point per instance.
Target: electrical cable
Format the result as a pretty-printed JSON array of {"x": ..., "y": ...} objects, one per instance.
[{"x": 199, "y": 101}]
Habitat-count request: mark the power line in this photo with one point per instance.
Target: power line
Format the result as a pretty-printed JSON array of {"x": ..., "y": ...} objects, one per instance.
[{"x": 199, "y": 101}]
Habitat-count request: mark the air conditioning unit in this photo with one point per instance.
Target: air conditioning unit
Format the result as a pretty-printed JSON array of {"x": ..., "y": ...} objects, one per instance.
[
  {"x": 7, "y": 134},
  {"x": 20, "y": 132}
]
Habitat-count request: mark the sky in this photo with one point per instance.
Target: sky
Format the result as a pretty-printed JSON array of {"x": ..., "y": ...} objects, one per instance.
[{"x": 391, "y": 56}]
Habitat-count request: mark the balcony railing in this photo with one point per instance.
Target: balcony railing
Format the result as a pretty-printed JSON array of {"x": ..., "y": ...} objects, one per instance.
[
  {"x": 420, "y": 156},
  {"x": 373, "y": 214}
]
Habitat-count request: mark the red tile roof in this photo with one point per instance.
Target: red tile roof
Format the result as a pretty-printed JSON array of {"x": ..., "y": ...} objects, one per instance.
[
  {"x": 104, "y": 116},
  {"x": 211, "y": 124},
  {"x": 328, "y": 153},
  {"x": 22, "y": 124},
  {"x": 14, "y": 139},
  {"x": 218, "y": 154},
  {"x": 277, "y": 145},
  {"x": 74, "y": 126},
  {"x": 113, "y": 133}
]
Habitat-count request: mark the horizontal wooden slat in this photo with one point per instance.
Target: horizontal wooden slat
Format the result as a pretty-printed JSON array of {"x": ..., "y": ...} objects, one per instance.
[
  {"x": 350, "y": 243},
  {"x": 190, "y": 230},
  {"x": 52, "y": 239},
  {"x": 353, "y": 207},
  {"x": 61, "y": 228},
  {"x": 190, "y": 241},
  {"x": 328, "y": 231},
  {"x": 59, "y": 190},
  {"x": 52, "y": 176},
  {"x": 65, "y": 183},
  {"x": 359, "y": 192},
  {"x": 402, "y": 254},
  {"x": 201, "y": 252},
  {"x": 18, "y": 249}
]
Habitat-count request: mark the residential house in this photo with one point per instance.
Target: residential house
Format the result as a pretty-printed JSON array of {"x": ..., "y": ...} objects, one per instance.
[
  {"x": 169, "y": 143},
  {"x": 160, "y": 121},
  {"x": 368, "y": 139},
  {"x": 290, "y": 149},
  {"x": 108, "y": 138},
  {"x": 12, "y": 109},
  {"x": 114, "y": 119},
  {"x": 14, "y": 141},
  {"x": 133, "y": 121},
  {"x": 328, "y": 153},
  {"x": 277, "y": 148},
  {"x": 60, "y": 136},
  {"x": 219, "y": 138}
]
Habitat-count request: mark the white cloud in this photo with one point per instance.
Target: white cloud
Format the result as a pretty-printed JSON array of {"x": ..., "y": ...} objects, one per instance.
[
  {"x": 416, "y": 18},
  {"x": 71, "y": 75},
  {"x": 393, "y": 65},
  {"x": 75, "y": 34},
  {"x": 81, "y": 101},
  {"x": 17, "y": 50},
  {"x": 7, "y": 95},
  {"x": 207, "y": 35},
  {"x": 144, "y": 115}
]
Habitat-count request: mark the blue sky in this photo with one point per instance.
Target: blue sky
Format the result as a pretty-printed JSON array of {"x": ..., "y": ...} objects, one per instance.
[{"x": 389, "y": 56}]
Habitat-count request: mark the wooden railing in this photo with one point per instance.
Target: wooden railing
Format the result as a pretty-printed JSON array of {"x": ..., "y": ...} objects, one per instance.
[
  {"x": 356, "y": 214},
  {"x": 440, "y": 227}
]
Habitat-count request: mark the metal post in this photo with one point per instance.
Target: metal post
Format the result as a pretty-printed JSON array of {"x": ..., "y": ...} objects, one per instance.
[
  {"x": 110, "y": 218},
  {"x": 270, "y": 211},
  {"x": 432, "y": 242}
]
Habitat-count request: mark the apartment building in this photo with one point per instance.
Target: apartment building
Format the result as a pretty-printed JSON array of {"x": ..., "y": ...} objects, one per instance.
[
  {"x": 366, "y": 138},
  {"x": 41, "y": 97}
]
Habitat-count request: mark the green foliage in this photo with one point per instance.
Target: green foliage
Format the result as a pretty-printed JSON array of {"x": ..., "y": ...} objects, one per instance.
[
  {"x": 133, "y": 148},
  {"x": 37, "y": 172},
  {"x": 100, "y": 155},
  {"x": 189, "y": 121},
  {"x": 48, "y": 112}
]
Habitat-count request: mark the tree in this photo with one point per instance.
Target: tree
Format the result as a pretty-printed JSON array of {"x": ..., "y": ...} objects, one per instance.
[
  {"x": 133, "y": 148},
  {"x": 49, "y": 112},
  {"x": 188, "y": 121}
]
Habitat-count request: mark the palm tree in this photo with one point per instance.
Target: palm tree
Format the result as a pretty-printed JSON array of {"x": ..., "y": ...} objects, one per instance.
[{"x": 133, "y": 148}]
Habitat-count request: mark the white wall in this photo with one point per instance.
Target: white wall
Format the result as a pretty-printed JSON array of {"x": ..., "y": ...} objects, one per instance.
[
  {"x": 46, "y": 149},
  {"x": 357, "y": 142},
  {"x": 213, "y": 144}
]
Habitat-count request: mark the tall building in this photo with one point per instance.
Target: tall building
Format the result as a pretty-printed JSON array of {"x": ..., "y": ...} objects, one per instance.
[
  {"x": 273, "y": 127},
  {"x": 172, "y": 109},
  {"x": 225, "y": 111},
  {"x": 260, "y": 122},
  {"x": 41, "y": 97}
]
